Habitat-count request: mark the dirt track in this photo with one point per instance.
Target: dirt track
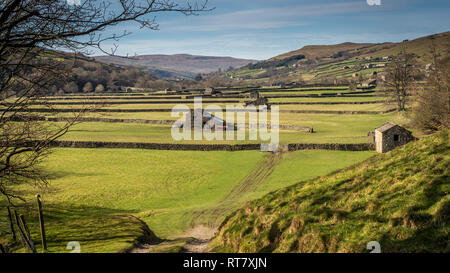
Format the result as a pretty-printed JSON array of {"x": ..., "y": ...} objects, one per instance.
[
  {"x": 212, "y": 216},
  {"x": 205, "y": 222}
]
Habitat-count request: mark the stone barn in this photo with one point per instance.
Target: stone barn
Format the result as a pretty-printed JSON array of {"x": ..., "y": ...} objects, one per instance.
[
  {"x": 254, "y": 95},
  {"x": 369, "y": 84},
  {"x": 209, "y": 91},
  {"x": 207, "y": 120},
  {"x": 390, "y": 136},
  {"x": 257, "y": 102}
]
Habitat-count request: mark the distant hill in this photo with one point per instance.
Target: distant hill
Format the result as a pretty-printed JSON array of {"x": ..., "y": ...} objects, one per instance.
[
  {"x": 179, "y": 65},
  {"x": 340, "y": 61},
  {"x": 400, "y": 199},
  {"x": 322, "y": 51}
]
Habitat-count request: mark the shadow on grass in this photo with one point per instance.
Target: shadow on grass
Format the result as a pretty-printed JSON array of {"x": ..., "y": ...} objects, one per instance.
[{"x": 97, "y": 229}]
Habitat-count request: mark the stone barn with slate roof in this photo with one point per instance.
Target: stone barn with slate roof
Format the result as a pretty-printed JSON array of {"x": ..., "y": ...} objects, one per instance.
[
  {"x": 209, "y": 91},
  {"x": 390, "y": 136},
  {"x": 208, "y": 120}
]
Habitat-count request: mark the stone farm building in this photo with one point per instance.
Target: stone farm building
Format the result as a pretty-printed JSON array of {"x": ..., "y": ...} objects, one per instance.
[
  {"x": 371, "y": 83},
  {"x": 258, "y": 101},
  {"x": 207, "y": 120},
  {"x": 254, "y": 95},
  {"x": 211, "y": 91},
  {"x": 390, "y": 136}
]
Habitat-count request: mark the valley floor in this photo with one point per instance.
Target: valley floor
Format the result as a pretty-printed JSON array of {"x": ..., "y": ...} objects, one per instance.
[
  {"x": 112, "y": 200},
  {"x": 93, "y": 189}
]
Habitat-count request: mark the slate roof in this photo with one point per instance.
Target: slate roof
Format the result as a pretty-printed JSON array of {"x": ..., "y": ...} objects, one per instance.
[{"x": 385, "y": 127}]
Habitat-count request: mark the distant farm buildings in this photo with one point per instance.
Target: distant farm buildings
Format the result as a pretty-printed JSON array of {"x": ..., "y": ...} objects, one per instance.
[
  {"x": 369, "y": 83},
  {"x": 346, "y": 67},
  {"x": 169, "y": 91},
  {"x": 390, "y": 136},
  {"x": 279, "y": 84}
]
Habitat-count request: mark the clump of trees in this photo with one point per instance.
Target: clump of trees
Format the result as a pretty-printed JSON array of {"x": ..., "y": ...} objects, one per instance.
[
  {"x": 432, "y": 109},
  {"x": 85, "y": 74}
]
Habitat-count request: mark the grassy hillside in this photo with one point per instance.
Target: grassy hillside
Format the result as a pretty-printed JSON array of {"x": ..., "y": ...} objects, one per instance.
[
  {"x": 327, "y": 62},
  {"x": 321, "y": 51},
  {"x": 400, "y": 199},
  {"x": 421, "y": 47}
]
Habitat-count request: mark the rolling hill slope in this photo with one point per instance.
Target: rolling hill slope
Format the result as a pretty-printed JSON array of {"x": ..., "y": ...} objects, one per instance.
[
  {"x": 322, "y": 62},
  {"x": 400, "y": 199},
  {"x": 322, "y": 51}
]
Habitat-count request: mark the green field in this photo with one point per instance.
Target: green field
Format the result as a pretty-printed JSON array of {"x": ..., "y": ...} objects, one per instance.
[
  {"x": 337, "y": 107},
  {"x": 328, "y": 129},
  {"x": 326, "y": 99},
  {"x": 94, "y": 190},
  {"x": 100, "y": 197}
]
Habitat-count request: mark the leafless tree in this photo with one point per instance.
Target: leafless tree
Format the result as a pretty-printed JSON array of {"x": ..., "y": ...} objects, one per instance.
[
  {"x": 399, "y": 79},
  {"x": 35, "y": 38},
  {"x": 432, "y": 111}
]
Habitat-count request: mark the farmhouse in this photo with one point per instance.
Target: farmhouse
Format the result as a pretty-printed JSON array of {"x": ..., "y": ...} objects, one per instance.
[
  {"x": 390, "y": 136},
  {"x": 368, "y": 66},
  {"x": 381, "y": 65}
]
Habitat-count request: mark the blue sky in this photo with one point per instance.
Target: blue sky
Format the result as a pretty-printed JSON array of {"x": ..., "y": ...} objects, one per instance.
[{"x": 260, "y": 29}]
